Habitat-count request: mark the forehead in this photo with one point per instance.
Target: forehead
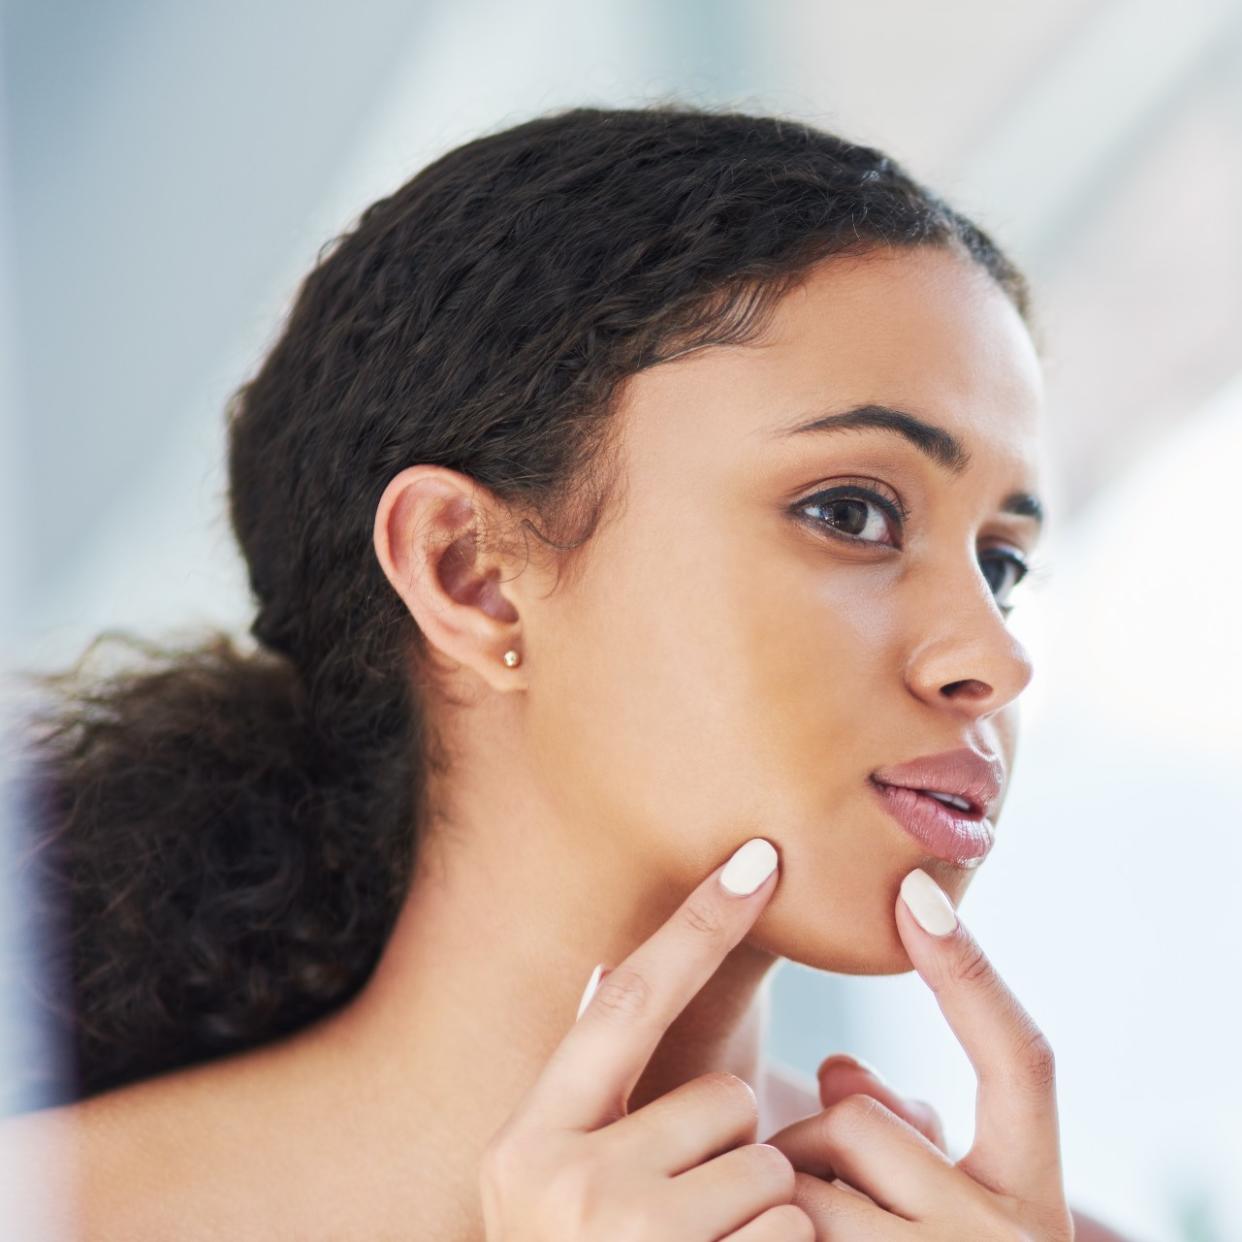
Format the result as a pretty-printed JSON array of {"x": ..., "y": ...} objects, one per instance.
[{"x": 922, "y": 329}]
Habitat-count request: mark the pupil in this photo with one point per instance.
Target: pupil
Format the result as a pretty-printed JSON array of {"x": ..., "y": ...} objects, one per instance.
[{"x": 858, "y": 505}]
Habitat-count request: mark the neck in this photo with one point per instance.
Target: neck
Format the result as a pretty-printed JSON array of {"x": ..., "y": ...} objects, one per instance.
[{"x": 504, "y": 920}]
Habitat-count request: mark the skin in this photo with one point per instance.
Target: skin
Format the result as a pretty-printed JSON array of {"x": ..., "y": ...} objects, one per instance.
[
  {"x": 572, "y": 1163},
  {"x": 696, "y": 682},
  {"x": 712, "y": 669}
]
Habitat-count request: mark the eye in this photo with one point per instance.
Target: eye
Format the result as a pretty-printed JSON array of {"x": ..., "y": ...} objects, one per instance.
[
  {"x": 1009, "y": 569},
  {"x": 856, "y": 514},
  {"x": 846, "y": 517}
]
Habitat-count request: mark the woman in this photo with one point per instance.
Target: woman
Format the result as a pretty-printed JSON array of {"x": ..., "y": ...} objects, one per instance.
[{"x": 629, "y": 485}]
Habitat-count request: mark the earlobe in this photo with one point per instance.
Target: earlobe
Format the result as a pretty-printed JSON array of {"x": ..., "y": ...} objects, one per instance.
[{"x": 426, "y": 537}]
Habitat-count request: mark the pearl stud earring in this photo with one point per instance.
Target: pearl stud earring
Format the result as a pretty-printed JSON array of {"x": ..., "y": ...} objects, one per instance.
[{"x": 512, "y": 658}]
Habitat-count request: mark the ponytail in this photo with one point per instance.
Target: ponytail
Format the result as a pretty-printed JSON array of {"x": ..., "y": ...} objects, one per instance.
[{"x": 199, "y": 886}]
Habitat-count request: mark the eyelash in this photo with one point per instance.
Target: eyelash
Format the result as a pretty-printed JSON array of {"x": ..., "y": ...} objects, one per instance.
[{"x": 900, "y": 514}]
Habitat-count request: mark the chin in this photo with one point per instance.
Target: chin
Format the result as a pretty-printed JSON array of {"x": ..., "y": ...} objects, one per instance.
[{"x": 853, "y": 945}]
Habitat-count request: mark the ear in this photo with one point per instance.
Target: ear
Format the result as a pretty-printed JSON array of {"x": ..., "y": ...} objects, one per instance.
[{"x": 432, "y": 534}]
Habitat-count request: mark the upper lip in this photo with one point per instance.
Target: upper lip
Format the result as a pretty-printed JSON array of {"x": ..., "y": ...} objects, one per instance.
[{"x": 974, "y": 777}]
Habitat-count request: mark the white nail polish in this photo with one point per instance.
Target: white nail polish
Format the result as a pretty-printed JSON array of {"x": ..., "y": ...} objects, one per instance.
[
  {"x": 592, "y": 984},
  {"x": 750, "y": 865},
  {"x": 928, "y": 902}
]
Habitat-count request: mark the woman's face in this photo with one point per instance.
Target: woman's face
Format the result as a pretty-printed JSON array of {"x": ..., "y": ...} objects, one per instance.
[{"x": 724, "y": 667}]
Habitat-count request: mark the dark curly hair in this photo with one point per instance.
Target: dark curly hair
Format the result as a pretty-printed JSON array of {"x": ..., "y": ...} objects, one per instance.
[{"x": 218, "y": 839}]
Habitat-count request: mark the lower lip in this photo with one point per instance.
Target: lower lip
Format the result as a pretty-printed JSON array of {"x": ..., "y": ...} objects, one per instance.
[{"x": 944, "y": 830}]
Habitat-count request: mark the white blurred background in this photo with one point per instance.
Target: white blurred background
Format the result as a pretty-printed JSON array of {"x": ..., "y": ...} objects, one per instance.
[{"x": 170, "y": 171}]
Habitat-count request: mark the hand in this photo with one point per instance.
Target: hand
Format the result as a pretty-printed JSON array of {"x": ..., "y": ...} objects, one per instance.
[
  {"x": 868, "y": 1169},
  {"x": 840, "y": 1075},
  {"x": 570, "y": 1164}
]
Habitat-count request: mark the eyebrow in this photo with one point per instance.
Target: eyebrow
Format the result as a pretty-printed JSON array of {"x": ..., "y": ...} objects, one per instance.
[{"x": 936, "y": 443}]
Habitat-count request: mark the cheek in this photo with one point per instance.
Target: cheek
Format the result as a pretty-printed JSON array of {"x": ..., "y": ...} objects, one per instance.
[
  {"x": 817, "y": 647},
  {"x": 643, "y": 714},
  {"x": 713, "y": 702}
]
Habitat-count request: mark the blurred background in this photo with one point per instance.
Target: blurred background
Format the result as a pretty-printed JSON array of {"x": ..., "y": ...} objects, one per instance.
[{"x": 170, "y": 171}]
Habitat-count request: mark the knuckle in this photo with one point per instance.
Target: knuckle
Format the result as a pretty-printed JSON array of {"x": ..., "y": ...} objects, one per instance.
[
  {"x": 501, "y": 1163},
  {"x": 808, "y": 1188},
  {"x": 814, "y": 1195},
  {"x": 842, "y": 1121},
  {"x": 854, "y": 1110},
  {"x": 770, "y": 1167},
  {"x": 623, "y": 994},
  {"x": 703, "y": 917},
  {"x": 972, "y": 966},
  {"x": 734, "y": 1093},
  {"x": 1036, "y": 1059},
  {"x": 931, "y": 1119},
  {"x": 571, "y": 1194},
  {"x": 789, "y": 1223}
]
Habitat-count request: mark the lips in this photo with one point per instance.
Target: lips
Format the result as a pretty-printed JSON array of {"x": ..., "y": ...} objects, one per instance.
[
  {"x": 960, "y": 835},
  {"x": 947, "y": 833},
  {"x": 962, "y": 773}
]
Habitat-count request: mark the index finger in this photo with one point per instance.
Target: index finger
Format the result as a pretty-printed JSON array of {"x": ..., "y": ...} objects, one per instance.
[
  {"x": 1017, "y": 1146},
  {"x": 589, "y": 1077}
]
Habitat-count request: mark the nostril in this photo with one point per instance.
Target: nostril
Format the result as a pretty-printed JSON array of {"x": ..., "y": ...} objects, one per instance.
[{"x": 971, "y": 686}]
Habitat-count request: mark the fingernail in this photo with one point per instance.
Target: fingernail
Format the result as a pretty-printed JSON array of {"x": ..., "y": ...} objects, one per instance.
[
  {"x": 750, "y": 865},
  {"x": 926, "y": 900},
  {"x": 844, "y": 1058},
  {"x": 592, "y": 983}
]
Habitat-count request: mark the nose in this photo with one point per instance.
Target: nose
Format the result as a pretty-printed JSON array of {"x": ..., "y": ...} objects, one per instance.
[{"x": 966, "y": 657}]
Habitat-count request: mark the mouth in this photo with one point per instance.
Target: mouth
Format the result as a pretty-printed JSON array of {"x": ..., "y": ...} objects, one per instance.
[
  {"x": 967, "y": 808},
  {"x": 953, "y": 828},
  {"x": 967, "y": 780}
]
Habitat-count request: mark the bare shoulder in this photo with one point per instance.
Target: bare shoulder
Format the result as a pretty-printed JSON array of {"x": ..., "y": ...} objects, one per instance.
[
  {"x": 198, "y": 1153},
  {"x": 100, "y": 1159}
]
